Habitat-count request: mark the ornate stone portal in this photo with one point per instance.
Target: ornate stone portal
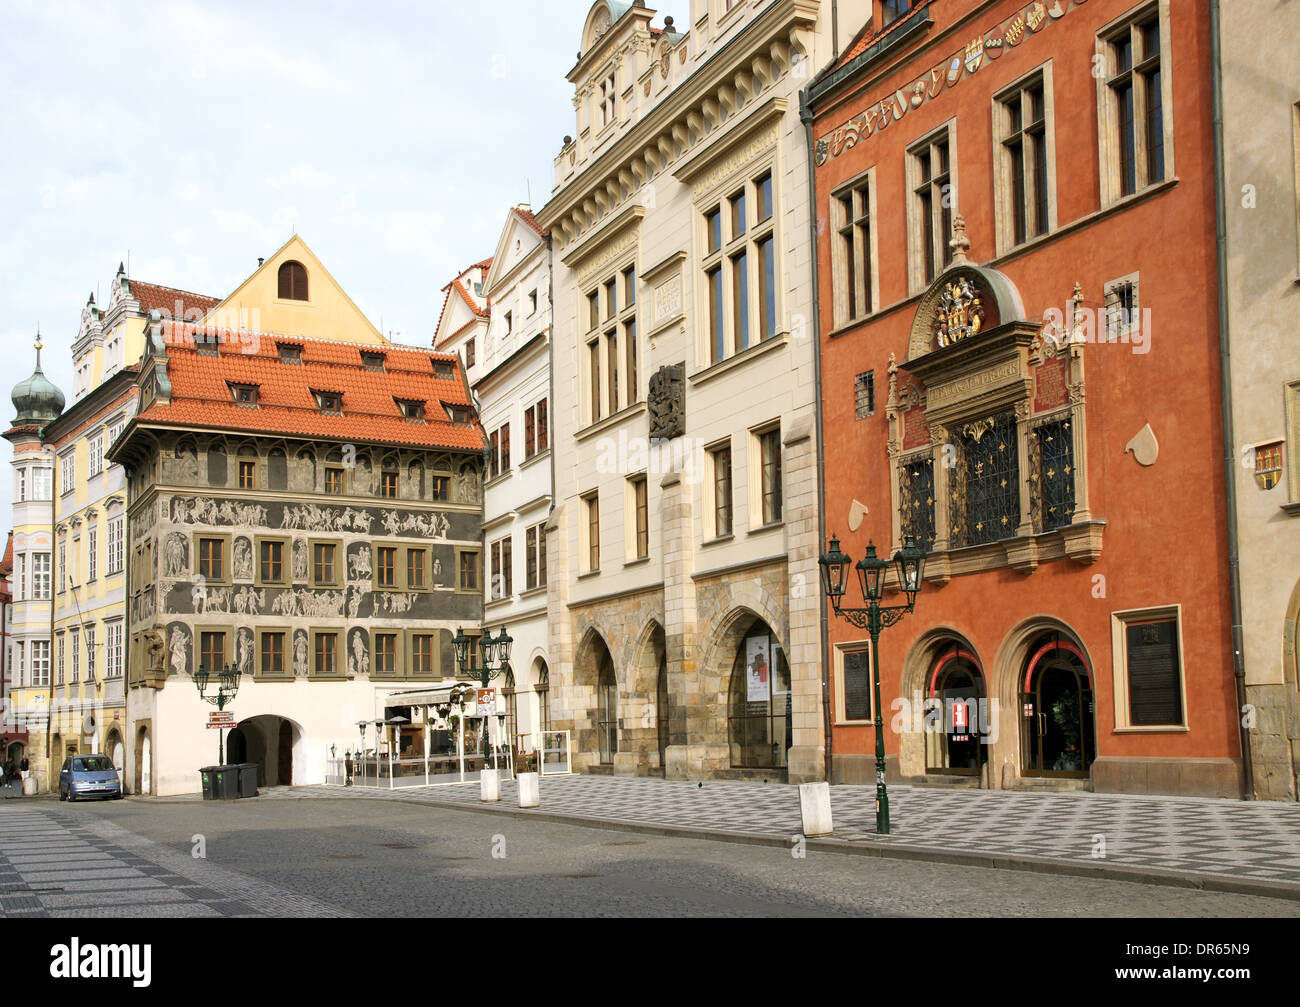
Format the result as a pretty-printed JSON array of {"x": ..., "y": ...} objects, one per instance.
[{"x": 987, "y": 441}]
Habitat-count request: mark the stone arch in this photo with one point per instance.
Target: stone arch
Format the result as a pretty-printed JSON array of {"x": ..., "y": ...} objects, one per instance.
[
  {"x": 1005, "y": 672},
  {"x": 1290, "y": 661},
  {"x": 914, "y": 688}
]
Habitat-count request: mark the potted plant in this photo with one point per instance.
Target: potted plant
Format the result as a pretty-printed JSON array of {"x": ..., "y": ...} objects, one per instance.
[{"x": 527, "y": 775}]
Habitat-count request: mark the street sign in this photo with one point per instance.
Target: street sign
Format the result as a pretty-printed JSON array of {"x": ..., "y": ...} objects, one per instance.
[
  {"x": 487, "y": 702},
  {"x": 221, "y": 720}
]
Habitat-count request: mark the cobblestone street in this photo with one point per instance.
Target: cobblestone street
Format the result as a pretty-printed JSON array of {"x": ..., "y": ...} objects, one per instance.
[
  {"x": 1228, "y": 840},
  {"x": 322, "y": 857}
]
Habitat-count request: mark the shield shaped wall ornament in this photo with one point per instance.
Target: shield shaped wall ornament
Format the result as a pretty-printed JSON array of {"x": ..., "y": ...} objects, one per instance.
[
  {"x": 974, "y": 54},
  {"x": 1036, "y": 17},
  {"x": 1015, "y": 31}
]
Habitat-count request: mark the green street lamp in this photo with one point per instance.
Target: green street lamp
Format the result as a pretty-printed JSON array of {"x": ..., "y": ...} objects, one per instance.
[
  {"x": 494, "y": 653},
  {"x": 226, "y": 689},
  {"x": 909, "y": 563}
]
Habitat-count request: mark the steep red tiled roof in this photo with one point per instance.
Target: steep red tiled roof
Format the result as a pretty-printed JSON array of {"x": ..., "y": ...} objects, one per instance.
[
  {"x": 7, "y": 561},
  {"x": 870, "y": 36},
  {"x": 153, "y": 297},
  {"x": 201, "y": 394},
  {"x": 526, "y": 215}
]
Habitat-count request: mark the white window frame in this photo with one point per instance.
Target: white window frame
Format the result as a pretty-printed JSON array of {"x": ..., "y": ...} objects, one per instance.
[
  {"x": 116, "y": 544},
  {"x": 40, "y": 655},
  {"x": 92, "y": 553},
  {"x": 95, "y": 447}
]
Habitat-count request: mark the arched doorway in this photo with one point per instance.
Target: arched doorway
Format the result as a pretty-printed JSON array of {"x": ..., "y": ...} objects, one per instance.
[
  {"x": 1058, "y": 732},
  {"x": 268, "y": 741},
  {"x": 956, "y": 701},
  {"x": 236, "y": 746},
  {"x": 759, "y": 715},
  {"x": 606, "y": 705}
]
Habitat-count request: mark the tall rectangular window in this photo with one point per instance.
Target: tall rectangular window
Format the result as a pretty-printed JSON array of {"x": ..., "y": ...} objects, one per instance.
[
  {"x": 323, "y": 566},
  {"x": 272, "y": 559},
  {"x": 116, "y": 545},
  {"x": 74, "y": 647},
  {"x": 502, "y": 553},
  {"x": 247, "y": 475},
  {"x": 1022, "y": 169},
  {"x": 40, "y": 662},
  {"x": 41, "y": 576},
  {"x": 272, "y": 653},
  {"x": 640, "y": 518},
  {"x": 535, "y": 566},
  {"x": 770, "y": 458},
  {"x": 739, "y": 269},
  {"x": 326, "y": 653},
  {"x": 930, "y": 166},
  {"x": 853, "y": 267},
  {"x": 89, "y": 633},
  {"x": 386, "y": 566},
  {"x": 92, "y": 553},
  {"x": 422, "y": 650},
  {"x": 610, "y": 367},
  {"x": 722, "y": 523},
  {"x": 1134, "y": 111},
  {"x": 212, "y": 558},
  {"x": 591, "y": 506},
  {"x": 468, "y": 573},
  {"x": 415, "y": 566},
  {"x": 212, "y": 651},
  {"x": 96, "y": 448},
  {"x": 113, "y": 648},
  {"x": 385, "y": 654}
]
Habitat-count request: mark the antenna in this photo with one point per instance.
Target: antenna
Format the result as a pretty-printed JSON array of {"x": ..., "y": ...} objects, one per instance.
[{"x": 529, "y": 188}]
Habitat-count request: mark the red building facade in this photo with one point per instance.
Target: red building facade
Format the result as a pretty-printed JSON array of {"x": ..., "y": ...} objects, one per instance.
[{"x": 1019, "y": 365}]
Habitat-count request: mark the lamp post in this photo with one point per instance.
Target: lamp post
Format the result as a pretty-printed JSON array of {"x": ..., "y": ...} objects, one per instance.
[
  {"x": 494, "y": 653},
  {"x": 227, "y": 687},
  {"x": 910, "y": 564}
]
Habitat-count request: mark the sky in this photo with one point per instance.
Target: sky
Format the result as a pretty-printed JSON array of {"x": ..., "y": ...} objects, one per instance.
[{"x": 192, "y": 138}]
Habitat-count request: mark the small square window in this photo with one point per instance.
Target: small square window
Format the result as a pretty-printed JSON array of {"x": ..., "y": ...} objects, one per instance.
[
  {"x": 245, "y": 395},
  {"x": 372, "y": 361},
  {"x": 444, "y": 370},
  {"x": 288, "y": 353},
  {"x": 329, "y": 402}
]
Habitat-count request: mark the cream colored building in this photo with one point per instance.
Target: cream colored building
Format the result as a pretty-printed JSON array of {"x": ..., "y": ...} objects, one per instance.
[
  {"x": 685, "y": 635},
  {"x": 1261, "y": 148}
]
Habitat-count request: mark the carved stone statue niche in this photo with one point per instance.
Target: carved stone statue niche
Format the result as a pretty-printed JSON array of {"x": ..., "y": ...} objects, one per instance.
[{"x": 666, "y": 402}]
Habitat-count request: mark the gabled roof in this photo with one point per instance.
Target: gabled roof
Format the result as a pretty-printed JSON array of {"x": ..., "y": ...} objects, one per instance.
[
  {"x": 201, "y": 395},
  {"x": 457, "y": 289},
  {"x": 503, "y": 261}
]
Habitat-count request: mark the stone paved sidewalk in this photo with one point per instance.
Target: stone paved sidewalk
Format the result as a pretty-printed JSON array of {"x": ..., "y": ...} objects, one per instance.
[{"x": 1233, "y": 840}]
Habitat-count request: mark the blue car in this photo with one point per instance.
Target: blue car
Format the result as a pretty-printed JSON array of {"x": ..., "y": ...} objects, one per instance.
[{"x": 88, "y": 776}]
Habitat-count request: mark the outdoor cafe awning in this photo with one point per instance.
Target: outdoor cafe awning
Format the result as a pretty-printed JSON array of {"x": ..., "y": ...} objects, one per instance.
[{"x": 435, "y": 696}]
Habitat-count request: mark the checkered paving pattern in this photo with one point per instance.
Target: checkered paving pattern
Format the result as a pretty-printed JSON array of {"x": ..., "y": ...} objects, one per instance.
[
  {"x": 1231, "y": 839},
  {"x": 55, "y": 864}
]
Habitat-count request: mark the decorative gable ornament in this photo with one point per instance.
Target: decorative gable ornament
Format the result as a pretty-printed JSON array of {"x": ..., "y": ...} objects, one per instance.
[{"x": 960, "y": 312}]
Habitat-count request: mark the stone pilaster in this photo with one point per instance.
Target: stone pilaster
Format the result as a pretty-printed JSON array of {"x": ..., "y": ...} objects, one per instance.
[{"x": 807, "y": 757}]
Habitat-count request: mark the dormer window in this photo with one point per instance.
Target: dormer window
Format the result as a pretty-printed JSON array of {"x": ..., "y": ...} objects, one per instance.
[
  {"x": 444, "y": 370},
  {"x": 244, "y": 395},
  {"x": 892, "y": 10},
  {"x": 205, "y": 343},
  {"x": 412, "y": 410},
  {"x": 293, "y": 281},
  {"x": 372, "y": 361},
  {"x": 457, "y": 414},
  {"x": 329, "y": 402},
  {"x": 289, "y": 353}
]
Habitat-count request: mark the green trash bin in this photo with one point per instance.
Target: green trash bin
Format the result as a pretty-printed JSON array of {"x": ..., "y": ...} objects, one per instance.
[
  {"x": 227, "y": 782},
  {"x": 248, "y": 779},
  {"x": 208, "y": 776}
]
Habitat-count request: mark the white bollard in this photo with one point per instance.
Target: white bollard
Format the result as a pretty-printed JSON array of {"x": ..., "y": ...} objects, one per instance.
[
  {"x": 529, "y": 792},
  {"x": 489, "y": 785},
  {"x": 815, "y": 808}
]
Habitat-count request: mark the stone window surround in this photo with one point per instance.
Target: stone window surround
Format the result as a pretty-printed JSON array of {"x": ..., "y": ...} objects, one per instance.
[
  {"x": 916, "y": 281},
  {"x": 286, "y": 561},
  {"x": 842, "y": 272},
  {"x": 629, "y": 518},
  {"x": 408, "y": 653},
  {"x": 1119, "y": 662},
  {"x": 477, "y": 551},
  {"x": 754, "y": 468},
  {"x": 708, "y": 486},
  {"x": 260, "y": 673},
  {"x": 1107, "y": 114},
  {"x": 340, "y": 558},
  {"x": 228, "y": 644},
  {"x": 340, "y": 657},
  {"x": 1002, "y": 194},
  {"x": 227, "y": 557},
  {"x": 1134, "y": 321},
  {"x": 584, "y": 533},
  {"x": 400, "y": 648},
  {"x": 852, "y": 647}
]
